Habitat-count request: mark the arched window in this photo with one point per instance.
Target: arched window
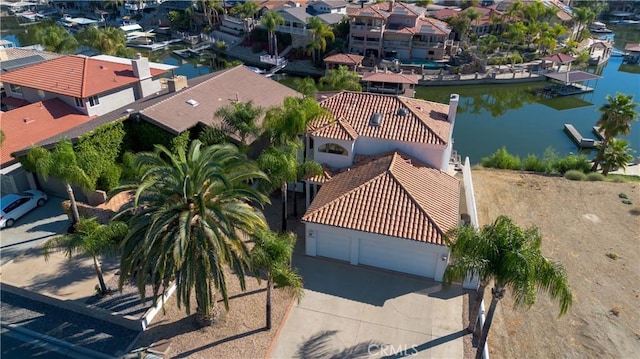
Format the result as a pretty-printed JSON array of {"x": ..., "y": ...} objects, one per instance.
[{"x": 333, "y": 148}]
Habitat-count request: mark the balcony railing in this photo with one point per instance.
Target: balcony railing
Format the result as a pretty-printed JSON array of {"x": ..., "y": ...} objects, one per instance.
[
  {"x": 292, "y": 30},
  {"x": 396, "y": 43},
  {"x": 366, "y": 28}
]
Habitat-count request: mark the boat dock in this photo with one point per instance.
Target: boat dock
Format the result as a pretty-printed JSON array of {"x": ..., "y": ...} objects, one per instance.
[
  {"x": 154, "y": 46},
  {"x": 188, "y": 53},
  {"x": 582, "y": 142},
  {"x": 598, "y": 132}
]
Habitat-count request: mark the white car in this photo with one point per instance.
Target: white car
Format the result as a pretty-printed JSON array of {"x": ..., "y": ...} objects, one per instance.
[{"x": 15, "y": 205}]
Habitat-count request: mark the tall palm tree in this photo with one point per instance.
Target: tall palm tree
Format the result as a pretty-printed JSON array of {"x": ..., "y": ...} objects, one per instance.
[
  {"x": 583, "y": 16},
  {"x": 320, "y": 32},
  {"x": 246, "y": 10},
  {"x": 270, "y": 20},
  {"x": 473, "y": 16},
  {"x": 92, "y": 238},
  {"x": 241, "y": 118},
  {"x": 341, "y": 78},
  {"x": 280, "y": 164},
  {"x": 509, "y": 256},
  {"x": 616, "y": 155},
  {"x": 189, "y": 219},
  {"x": 272, "y": 255},
  {"x": 61, "y": 163},
  {"x": 615, "y": 119}
]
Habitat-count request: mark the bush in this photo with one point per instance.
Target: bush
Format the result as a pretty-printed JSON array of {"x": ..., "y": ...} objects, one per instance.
[
  {"x": 221, "y": 45},
  {"x": 533, "y": 163},
  {"x": 502, "y": 159},
  {"x": 110, "y": 178},
  {"x": 574, "y": 175},
  {"x": 595, "y": 176},
  {"x": 571, "y": 162}
]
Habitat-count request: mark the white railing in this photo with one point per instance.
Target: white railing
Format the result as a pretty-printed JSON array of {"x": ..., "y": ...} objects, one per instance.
[
  {"x": 273, "y": 60},
  {"x": 292, "y": 30}
]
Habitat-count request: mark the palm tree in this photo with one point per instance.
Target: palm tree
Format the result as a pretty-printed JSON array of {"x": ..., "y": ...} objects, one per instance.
[
  {"x": 615, "y": 119},
  {"x": 92, "y": 238},
  {"x": 616, "y": 155},
  {"x": 241, "y": 118},
  {"x": 511, "y": 257},
  {"x": 306, "y": 86},
  {"x": 246, "y": 10},
  {"x": 341, "y": 78},
  {"x": 280, "y": 165},
  {"x": 516, "y": 33},
  {"x": 270, "y": 21},
  {"x": 320, "y": 32},
  {"x": 62, "y": 164},
  {"x": 583, "y": 16},
  {"x": 53, "y": 37},
  {"x": 107, "y": 40},
  {"x": 272, "y": 255},
  {"x": 190, "y": 216},
  {"x": 473, "y": 16}
]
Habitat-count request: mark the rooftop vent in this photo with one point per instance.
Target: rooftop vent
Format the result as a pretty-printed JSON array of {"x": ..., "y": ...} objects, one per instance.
[
  {"x": 403, "y": 111},
  {"x": 375, "y": 119},
  {"x": 192, "y": 102}
]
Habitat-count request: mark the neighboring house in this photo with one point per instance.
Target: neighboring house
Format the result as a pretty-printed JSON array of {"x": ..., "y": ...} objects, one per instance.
[
  {"x": 269, "y": 5},
  {"x": 25, "y": 126},
  {"x": 563, "y": 13},
  {"x": 295, "y": 23},
  {"x": 390, "y": 83},
  {"x": 483, "y": 25},
  {"x": 368, "y": 124},
  {"x": 400, "y": 29},
  {"x": 196, "y": 105},
  {"x": 89, "y": 85},
  {"x": 352, "y": 61},
  {"x": 329, "y": 6}
]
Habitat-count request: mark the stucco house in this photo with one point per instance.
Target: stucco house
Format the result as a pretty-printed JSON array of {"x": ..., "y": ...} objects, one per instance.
[
  {"x": 385, "y": 198},
  {"x": 400, "y": 29},
  {"x": 91, "y": 86},
  {"x": 328, "y": 6}
]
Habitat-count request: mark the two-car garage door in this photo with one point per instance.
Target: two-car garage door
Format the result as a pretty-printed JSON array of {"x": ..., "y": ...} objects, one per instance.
[{"x": 389, "y": 253}]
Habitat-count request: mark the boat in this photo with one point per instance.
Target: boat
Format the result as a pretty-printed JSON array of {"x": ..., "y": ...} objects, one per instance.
[
  {"x": 599, "y": 28},
  {"x": 629, "y": 22}
]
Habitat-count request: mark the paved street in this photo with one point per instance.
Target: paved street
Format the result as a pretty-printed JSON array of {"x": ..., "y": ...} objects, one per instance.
[{"x": 33, "y": 229}]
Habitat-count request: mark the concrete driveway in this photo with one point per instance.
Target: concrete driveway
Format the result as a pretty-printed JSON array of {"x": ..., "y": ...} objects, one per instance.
[
  {"x": 356, "y": 312},
  {"x": 33, "y": 229}
]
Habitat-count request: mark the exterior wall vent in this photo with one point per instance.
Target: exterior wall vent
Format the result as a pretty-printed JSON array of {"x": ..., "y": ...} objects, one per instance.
[{"x": 375, "y": 119}]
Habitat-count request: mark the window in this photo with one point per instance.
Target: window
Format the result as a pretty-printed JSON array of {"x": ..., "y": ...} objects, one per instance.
[
  {"x": 333, "y": 148},
  {"x": 94, "y": 101},
  {"x": 15, "y": 88},
  {"x": 79, "y": 102}
]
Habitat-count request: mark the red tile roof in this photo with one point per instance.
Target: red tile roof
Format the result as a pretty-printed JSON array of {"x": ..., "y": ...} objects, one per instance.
[
  {"x": 75, "y": 76},
  {"x": 350, "y": 59},
  {"x": 395, "y": 195},
  {"x": 425, "y": 123},
  {"x": 28, "y": 125},
  {"x": 559, "y": 58}
]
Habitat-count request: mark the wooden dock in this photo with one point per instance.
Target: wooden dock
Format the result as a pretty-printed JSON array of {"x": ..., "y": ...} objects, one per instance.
[
  {"x": 598, "y": 132},
  {"x": 582, "y": 142}
]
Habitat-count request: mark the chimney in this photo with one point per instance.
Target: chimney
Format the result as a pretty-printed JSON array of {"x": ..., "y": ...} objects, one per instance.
[
  {"x": 391, "y": 4},
  {"x": 453, "y": 107},
  {"x": 141, "y": 68},
  {"x": 177, "y": 83}
]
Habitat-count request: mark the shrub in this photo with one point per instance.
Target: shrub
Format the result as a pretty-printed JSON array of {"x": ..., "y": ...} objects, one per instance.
[
  {"x": 574, "y": 175},
  {"x": 502, "y": 159},
  {"x": 595, "y": 176},
  {"x": 109, "y": 178},
  {"x": 626, "y": 201},
  {"x": 623, "y": 195},
  {"x": 571, "y": 162},
  {"x": 549, "y": 159},
  {"x": 613, "y": 255},
  {"x": 533, "y": 163}
]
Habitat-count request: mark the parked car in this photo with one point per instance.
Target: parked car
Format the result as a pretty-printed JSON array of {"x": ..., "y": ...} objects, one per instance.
[{"x": 16, "y": 205}]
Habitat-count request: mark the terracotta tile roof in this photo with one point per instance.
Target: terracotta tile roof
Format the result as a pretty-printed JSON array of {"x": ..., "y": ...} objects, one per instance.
[
  {"x": 39, "y": 120},
  {"x": 445, "y": 13},
  {"x": 559, "y": 58},
  {"x": 390, "y": 77},
  {"x": 75, "y": 76},
  {"x": 426, "y": 121},
  {"x": 222, "y": 88},
  {"x": 350, "y": 59},
  {"x": 395, "y": 195}
]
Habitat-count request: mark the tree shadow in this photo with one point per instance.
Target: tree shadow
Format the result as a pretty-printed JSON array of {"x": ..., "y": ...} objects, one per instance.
[
  {"x": 428, "y": 345},
  {"x": 318, "y": 346},
  {"x": 221, "y": 341}
]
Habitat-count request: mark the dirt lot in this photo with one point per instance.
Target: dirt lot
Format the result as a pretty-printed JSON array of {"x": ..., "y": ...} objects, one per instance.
[{"x": 581, "y": 223}]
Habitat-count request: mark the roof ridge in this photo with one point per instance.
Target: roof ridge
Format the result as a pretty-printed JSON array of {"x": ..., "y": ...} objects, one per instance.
[
  {"x": 406, "y": 101},
  {"x": 84, "y": 80},
  {"x": 408, "y": 193}
]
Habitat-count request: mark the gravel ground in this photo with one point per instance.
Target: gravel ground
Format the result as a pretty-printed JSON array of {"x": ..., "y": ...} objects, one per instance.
[
  {"x": 73, "y": 328},
  {"x": 126, "y": 302}
]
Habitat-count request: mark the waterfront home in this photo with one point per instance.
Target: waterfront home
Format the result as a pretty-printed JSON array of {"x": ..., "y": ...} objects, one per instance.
[
  {"x": 295, "y": 23},
  {"x": 384, "y": 199},
  {"x": 482, "y": 26},
  {"x": 400, "y": 29},
  {"x": 328, "y": 7},
  {"x": 390, "y": 83}
]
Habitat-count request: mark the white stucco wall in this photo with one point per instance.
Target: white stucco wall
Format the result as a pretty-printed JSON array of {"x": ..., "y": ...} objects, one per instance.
[
  {"x": 111, "y": 101},
  {"x": 427, "y": 249},
  {"x": 331, "y": 159},
  {"x": 430, "y": 154}
]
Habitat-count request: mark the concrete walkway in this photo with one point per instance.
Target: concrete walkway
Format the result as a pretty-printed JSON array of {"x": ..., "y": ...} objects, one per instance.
[{"x": 351, "y": 311}]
